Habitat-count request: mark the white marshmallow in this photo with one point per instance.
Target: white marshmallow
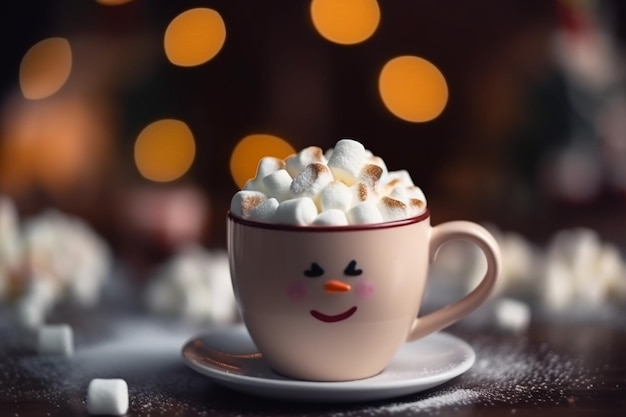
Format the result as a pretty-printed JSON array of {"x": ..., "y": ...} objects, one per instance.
[
  {"x": 557, "y": 289},
  {"x": 10, "y": 252},
  {"x": 336, "y": 195},
  {"x": 311, "y": 181},
  {"x": 364, "y": 213},
  {"x": 611, "y": 265},
  {"x": 267, "y": 166},
  {"x": 512, "y": 315},
  {"x": 277, "y": 185},
  {"x": 332, "y": 217},
  {"x": 194, "y": 285},
  {"x": 107, "y": 396},
  {"x": 392, "y": 209},
  {"x": 30, "y": 315},
  {"x": 265, "y": 211},
  {"x": 347, "y": 160},
  {"x": 254, "y": 184},
  {"x": 296, "y": 163},
  {"x": 244, "y": 201},
  {"x": 297, "y": 211},
  {"x": 56, "y": 339}
]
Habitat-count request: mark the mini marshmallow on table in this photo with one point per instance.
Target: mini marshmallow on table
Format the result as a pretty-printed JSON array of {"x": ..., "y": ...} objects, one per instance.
[
  {"x": 107, "y": 397},
  {"x": 55, "y": 339}
]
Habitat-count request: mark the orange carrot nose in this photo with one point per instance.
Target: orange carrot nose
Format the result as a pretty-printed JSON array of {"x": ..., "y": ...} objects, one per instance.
[{"x": 336, "y": 286}]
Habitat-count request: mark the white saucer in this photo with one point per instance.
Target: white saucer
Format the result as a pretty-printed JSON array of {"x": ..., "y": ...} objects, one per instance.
[{"x": 230, "y": 358}]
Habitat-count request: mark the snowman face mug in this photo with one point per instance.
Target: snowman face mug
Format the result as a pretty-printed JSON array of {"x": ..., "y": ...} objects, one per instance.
[{"x": 336, "y": 303}]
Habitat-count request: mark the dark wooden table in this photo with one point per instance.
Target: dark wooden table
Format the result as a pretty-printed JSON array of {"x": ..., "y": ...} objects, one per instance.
[{"x": 562, "y": 366}]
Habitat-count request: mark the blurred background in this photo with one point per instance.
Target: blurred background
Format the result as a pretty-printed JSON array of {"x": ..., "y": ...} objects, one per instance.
[{"x": 145, "y": 117}]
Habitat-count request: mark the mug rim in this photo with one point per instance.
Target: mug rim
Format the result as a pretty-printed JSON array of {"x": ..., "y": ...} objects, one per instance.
[{"x": 347, "y": 228}]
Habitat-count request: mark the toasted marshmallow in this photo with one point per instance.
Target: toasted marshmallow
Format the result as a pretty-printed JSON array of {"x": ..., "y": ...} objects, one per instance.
[
  {"x": 332, "y": 217},
  {"x": 336, "y": 195},
  {"x": 245, "y": 200},
  {"x": 370, "y": 174},
  {"x": 296, "y": 163},
  {"x": 392, "y": 209},
  {"x": 364, "y": 213},
  {"x": 347, "y": 160},
  {"x": 405, "y": 193},
  {"x": 297, "y": 211},
  {"x": 412, "y": 196},
  {"x": 361, "y": 193},
  {"x": 265, "y": 211},
  {"x": 377, "y": 160},
  {"x": 394, "y": 179},
  {"x": 277, "y": 185},
  {"x": 311, "y": 181}
]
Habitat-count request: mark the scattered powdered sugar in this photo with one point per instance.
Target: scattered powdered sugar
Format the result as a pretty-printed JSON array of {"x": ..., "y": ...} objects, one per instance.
[
  {"x": 511, "y": 373},
  {"x": 508, "y": 371},
  {"x": 430, "y": 403}
]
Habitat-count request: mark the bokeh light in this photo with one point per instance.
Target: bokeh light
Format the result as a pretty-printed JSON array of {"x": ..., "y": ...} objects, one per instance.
[
  {"x": 55, "y": 145},
  {"x": 194, "y": 37},
  {"x": 249, "y": 151},
  {"x": 45, "y": 68},
  {"x": 345, "y": 21},
  {"x": 164, "y": 150},
  {"x": 413, "y": 89},
  {"x": 113, "y": 2}
]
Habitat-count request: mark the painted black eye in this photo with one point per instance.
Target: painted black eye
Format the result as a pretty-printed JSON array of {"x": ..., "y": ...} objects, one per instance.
[
  {"x": 351, "y": 269},
  {"x": 315, "y": 270}
]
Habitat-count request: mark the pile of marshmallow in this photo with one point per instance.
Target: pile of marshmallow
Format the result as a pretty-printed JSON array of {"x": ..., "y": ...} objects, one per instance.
[
  {"x": 577, "y": 271},
  {"x": 49, "y": 258},
  {"x": 347, "y": 185},
  {"x": 194, "y": 285}
]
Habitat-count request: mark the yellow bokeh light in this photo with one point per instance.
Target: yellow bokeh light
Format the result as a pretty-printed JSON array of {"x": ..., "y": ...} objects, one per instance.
[
  {"x": 113, "y": 2},
  {"x": 164, "y": 150},
  {"x": 45, "y": 68},
  {"x": 194, "y": 37},
  {"x": 413, "y": 89},
  {"x": 249, "y": 151},
  {"x": 345, "y": 21}
]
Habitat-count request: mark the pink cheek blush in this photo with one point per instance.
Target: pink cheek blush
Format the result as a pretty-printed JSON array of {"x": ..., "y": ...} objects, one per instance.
[
  {"x": 296, "y": 292},
  {"x": 365, "y": 289}
]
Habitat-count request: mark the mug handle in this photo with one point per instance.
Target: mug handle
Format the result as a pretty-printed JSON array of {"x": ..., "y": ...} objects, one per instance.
[{"x": 449, "y": 314}]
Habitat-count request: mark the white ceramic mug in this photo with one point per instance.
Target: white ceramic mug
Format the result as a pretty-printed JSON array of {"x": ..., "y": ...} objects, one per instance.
[{"x": 336, "y": 303}]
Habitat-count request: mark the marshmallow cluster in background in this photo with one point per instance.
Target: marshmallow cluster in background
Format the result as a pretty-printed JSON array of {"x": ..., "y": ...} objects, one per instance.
[
  {"x": 347, "y": 185},
  {"x": 195, "y": 285},
  {"x": 48, "y": 259},
  {"x": 576, "y": 271}
]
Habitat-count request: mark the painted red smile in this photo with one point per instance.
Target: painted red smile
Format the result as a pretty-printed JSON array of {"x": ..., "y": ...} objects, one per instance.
[{"x": 332, "y": 319}]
